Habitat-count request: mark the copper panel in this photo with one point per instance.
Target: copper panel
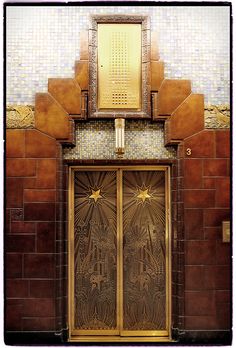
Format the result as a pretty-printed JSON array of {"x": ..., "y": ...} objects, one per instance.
[
  {"x": 144, "y": 251},
  {"x": 119, "y": 66},
  {"x": 95, "y": 252}
]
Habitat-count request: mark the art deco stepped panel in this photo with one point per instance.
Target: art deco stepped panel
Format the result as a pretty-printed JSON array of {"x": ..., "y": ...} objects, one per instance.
[{"x": 120, "y": 280}]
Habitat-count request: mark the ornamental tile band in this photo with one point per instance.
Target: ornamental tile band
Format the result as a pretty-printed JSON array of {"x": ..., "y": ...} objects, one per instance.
[
  {"x": 217, "y": 116},
  {"x": 20, "y": 116}
]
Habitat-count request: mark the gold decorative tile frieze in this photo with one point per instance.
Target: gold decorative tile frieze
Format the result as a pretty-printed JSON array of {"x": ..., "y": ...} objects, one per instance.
[
  {"x": 217, "y": 116},
  {"x": 20, "y": 116}
]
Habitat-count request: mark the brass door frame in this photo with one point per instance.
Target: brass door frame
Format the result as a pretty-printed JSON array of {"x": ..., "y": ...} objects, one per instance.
[{"x": 109, "y": 335}]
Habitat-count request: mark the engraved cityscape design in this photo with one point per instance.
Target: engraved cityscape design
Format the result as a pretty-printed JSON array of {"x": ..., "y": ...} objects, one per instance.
[
  {"x": 143, "y": 254},
  {"x": 95, "y": 250},
  {"x": 144, "y": 250}
]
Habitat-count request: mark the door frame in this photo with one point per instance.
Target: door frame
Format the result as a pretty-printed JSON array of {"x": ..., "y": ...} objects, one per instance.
[{"x": 161, "y": 336}]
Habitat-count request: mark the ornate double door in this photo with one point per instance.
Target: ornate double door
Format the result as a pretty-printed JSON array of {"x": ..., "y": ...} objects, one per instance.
[{"x": 119, "y": 254}]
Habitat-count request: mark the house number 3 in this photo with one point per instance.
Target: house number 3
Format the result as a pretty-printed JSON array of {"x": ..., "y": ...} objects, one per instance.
[{"x": 188, "y": 151}]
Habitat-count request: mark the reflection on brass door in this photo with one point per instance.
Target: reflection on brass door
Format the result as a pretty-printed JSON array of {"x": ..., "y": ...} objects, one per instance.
[
  {"x": 95, "y": 250},
  {"x": 144, "y": 250},
  {"x": 119, "y": 254}
]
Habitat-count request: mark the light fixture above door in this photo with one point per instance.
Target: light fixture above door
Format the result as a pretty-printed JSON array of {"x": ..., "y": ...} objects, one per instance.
[{"x": 120, "y": 137}]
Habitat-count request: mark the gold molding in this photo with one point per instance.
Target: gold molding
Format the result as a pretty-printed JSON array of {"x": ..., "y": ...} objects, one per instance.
[
  {"x": 119, "y": 339},
  {"x": 168, "y": 248},
  {"x": 119, "y": 251},
  {"x": 70, "y": 252}
]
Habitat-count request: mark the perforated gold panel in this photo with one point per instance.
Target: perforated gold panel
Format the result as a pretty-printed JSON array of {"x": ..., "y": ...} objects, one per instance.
[{"x": 119, "y": 66}]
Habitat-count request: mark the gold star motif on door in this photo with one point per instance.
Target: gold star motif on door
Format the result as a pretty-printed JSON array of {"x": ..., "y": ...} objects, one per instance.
[
  {"x": 95, "y": 195},
  {"x": 143, "y": 195}
]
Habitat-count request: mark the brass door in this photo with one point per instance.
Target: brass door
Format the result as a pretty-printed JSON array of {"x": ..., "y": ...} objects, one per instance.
[{"x": 119, "y": 254}]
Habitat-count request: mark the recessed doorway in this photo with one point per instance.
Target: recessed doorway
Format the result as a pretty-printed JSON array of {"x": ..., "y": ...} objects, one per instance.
[{"x": 119, "y": 254}]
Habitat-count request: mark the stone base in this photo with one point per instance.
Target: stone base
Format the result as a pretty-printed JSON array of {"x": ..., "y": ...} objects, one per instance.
[
  {"x": 36, "y": 337},
  {"x": 180, "y": 337},
  {"x": 202, "y": 337}
]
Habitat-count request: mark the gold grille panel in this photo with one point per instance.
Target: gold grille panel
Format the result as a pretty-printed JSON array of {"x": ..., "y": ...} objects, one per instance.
[{"x": 119, "y": 66}]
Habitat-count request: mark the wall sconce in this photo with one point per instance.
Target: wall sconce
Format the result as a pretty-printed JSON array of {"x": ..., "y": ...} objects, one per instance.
[{"x": 120, "y": 137}]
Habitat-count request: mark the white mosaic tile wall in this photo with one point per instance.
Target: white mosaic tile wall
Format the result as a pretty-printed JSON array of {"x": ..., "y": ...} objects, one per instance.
[
  {"x": 96, "y": 140},
  {"x": 43, "y": 42}
]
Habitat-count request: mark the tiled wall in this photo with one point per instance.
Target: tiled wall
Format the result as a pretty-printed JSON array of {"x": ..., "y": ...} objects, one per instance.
[
  {"x": 96, "y": 140},
  {"x": 31, "y": 219},
  {"x": 43, "y": 42},
  {"x": 206, "y": 197}
]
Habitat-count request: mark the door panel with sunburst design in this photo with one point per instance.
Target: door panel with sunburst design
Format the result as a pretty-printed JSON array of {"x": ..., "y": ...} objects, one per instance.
[
  {"x": 95, "y": 250},
  {"x": 120, "y": 253},
  {"x": 144, "y": 250}
]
